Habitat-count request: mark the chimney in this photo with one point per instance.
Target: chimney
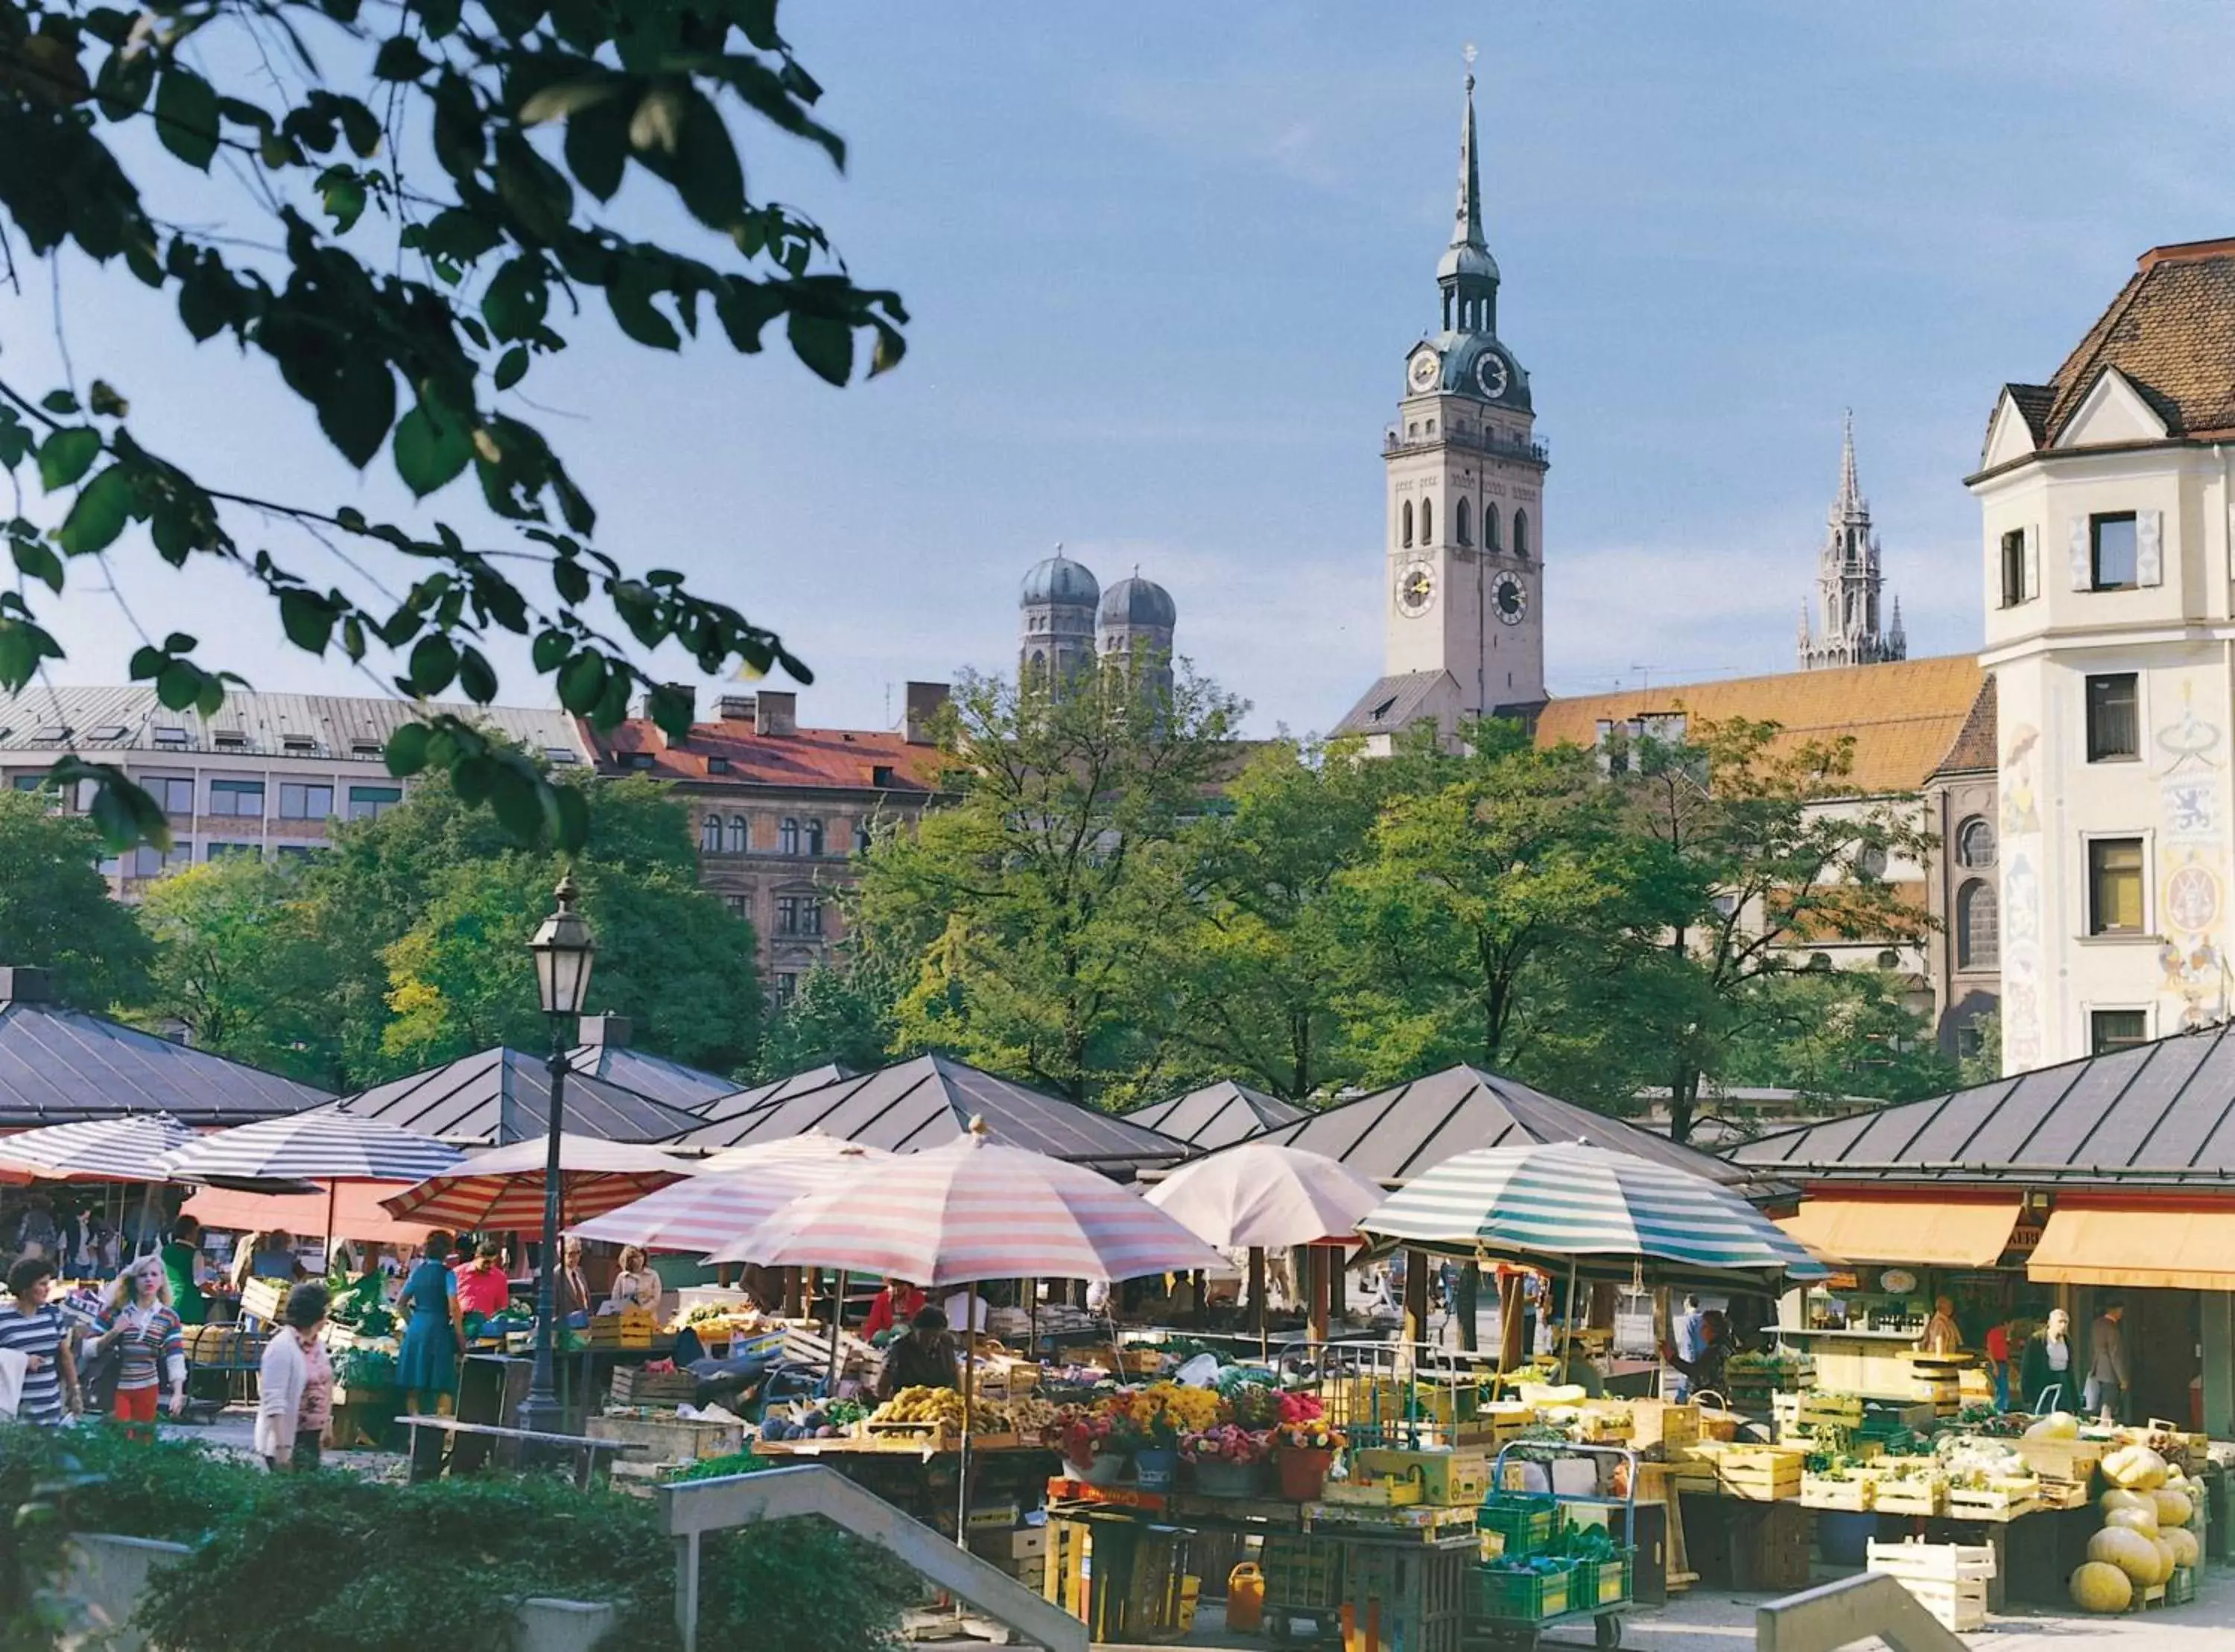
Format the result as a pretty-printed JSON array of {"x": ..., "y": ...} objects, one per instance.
[
  {"x": 606, "y": 1032},
  {"x": 777, "y": 714},
  {"x": 925, "y": 701},
  {"x": 735, "y": 708},
  {"x": 25, "y": 985}
]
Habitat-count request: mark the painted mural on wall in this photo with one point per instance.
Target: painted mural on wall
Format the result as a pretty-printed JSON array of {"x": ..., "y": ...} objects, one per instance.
[
  {"x": 2192, "y": 896},
  {"x": 2022, "y": 1036}
]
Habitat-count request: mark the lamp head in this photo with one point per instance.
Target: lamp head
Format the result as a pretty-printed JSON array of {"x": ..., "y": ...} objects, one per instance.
[{"x": 563, "y": 948}]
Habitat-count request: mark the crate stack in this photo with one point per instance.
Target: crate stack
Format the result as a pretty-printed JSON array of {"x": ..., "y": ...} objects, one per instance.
[
  {"x": 1950, "y": 1579},
  {"x": 1409, "y": 1596}
]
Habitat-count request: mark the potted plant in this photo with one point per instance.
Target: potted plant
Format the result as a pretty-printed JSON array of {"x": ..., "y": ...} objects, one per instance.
[
  {"x": 1083, "y": 1435},
  {"x": 1149, "y": 1422},
  {"x": 1305, "y": 1444},
  {"x": 1228, "y": 1461}
]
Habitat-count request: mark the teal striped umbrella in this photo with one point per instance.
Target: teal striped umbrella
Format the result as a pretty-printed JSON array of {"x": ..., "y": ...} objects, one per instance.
[{"x": 1570, "y": 1204}]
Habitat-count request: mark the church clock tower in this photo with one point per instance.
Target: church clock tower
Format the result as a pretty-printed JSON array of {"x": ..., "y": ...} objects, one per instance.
[{"x": 1464, "y": 537}]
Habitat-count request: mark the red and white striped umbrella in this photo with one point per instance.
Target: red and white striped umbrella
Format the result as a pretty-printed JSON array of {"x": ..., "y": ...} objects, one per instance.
[
  {"x": 735, "y": 1192},
  {"x": 975, "y": 1210},
  {"x": 502, "y": 1188}
]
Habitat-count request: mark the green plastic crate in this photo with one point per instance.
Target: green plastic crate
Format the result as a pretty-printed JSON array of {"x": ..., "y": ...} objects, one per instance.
[
  {"x": 1521, "y": 1597},
  {"x": 1601, "y": 1583},
  {"x": 2181, "y": 1589},
  {"x": 1527, "y": 1521}
]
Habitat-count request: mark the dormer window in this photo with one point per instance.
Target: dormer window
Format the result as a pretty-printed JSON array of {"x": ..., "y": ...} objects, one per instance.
[
  {"x": 366, "y": 748},
  {"x": 230, "y": 740},
  {"x": 53, "y": 734},
  {"x": 166, "y": 735}
]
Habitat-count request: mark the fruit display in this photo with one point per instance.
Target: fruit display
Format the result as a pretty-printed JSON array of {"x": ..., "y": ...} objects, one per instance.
[{"x": 941, "y": 1408}]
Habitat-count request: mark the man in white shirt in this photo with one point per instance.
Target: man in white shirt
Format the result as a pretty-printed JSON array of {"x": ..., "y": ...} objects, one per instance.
[{"x": 1690, "y": 1339}]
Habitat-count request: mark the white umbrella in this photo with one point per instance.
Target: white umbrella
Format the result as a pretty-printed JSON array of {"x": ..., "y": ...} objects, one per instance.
[
  {"x": 732, "y": 1193},
  {"x": 1261, "y": 1194}
]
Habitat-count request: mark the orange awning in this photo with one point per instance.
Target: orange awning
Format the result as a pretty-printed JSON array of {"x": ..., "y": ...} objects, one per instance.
[
  {"x": 2164, "y": 1249},
  {"x": 1927, "y": 1232},
  {"x": 357, "y": 1213}
]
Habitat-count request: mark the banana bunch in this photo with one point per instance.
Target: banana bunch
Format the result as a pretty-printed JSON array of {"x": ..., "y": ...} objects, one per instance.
[{"x": 937, "y": 1406}]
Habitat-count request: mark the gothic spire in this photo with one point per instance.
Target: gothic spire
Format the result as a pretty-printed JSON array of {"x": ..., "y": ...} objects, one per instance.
[
  {"x": 1849, "y": 503},
  {"x": 1466, "y": 272},
  {"x": 1467, "y": 229}
]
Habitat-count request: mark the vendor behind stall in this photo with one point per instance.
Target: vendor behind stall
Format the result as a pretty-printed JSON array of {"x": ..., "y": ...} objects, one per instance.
[
  {"x": 891, "y": 1308},
  {"x": 925, "y": 1358},
  {"x": 1942, "y": 1334}
]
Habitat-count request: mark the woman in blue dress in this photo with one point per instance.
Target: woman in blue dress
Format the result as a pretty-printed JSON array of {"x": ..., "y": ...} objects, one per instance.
[{"x": 433, "y": 1329}]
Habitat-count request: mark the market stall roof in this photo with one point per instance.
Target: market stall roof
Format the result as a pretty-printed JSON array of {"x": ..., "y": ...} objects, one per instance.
[
  {"x": 58, "y": 1066},
  {"x": 1936, "y": 1232},
  {"x": 1394, "y": 1135},
  {"x": 2152, "y": 1113},
  {"x": 355, "y": 1207},
  {"x": 497, "y": 1096},
  {"x": 737, "y": 1102},
  {"x": 1218, "y": 1115},
  {"x": 656, "y": 1076},
  {"x": 930, "y": 1100},
  {"x": 2133, "y": 1249}
]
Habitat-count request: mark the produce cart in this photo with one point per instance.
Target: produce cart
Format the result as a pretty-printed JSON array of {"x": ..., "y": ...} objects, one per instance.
[{"x": 1514, "y": 1610}]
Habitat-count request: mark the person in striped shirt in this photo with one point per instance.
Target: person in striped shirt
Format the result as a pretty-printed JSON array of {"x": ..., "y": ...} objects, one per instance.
[
  {"x": 35, "y": 1328},
  {"x": 141, "y": 1321}
]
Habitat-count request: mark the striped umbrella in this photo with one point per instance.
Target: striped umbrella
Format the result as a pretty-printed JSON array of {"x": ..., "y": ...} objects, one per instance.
[
  {"x": 734, "y": 1192},
  {"x": 503, "y": 1188},
  {"x": 323, "y": 1144},
  {"x": 1555, "y": 1202},
  {"x": 971, "y": 1209},
  {"x": 126, "y": 1149}
]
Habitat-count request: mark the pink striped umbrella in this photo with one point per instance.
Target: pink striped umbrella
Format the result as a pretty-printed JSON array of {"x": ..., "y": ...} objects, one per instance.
[
  {"x": 502, "y": 1188},
  {"x": 735, "y": 1191},
  {"x": 973, "y": 1209}
]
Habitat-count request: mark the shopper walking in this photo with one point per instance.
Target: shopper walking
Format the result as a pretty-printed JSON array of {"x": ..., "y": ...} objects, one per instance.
[
  {"x": 142, "y": 1327},
  {"x": 295, "y": 1384},
  {"x": 2106, "y": 1364},
  {"x": 434, "y": 1330},
  {"x": 2046, "y": 1364},
  {"x": 35, "y": 1328}
]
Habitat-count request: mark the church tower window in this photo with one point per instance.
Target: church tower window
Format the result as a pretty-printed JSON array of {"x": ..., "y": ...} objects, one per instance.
[
  {"x": 1521, "y": 534},
  {"x": 1490, "y": 527},
  {"x": 1408, "y": 522},
  {"x": 1427, "y": 521},
  {"x": 1460, "y": 523}
]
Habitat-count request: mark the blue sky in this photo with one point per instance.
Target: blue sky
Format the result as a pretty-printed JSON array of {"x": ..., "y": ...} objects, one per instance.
[{"x": 1165, "y": 260}]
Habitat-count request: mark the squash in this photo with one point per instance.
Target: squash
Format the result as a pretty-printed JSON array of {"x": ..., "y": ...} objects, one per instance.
[
  {"x": 2099, "y": 1586},
  {"x": 2119, "y": 1497},
  {"x": 2058, "y": 1425},
  {"x": 2173, "y": 1507},
  {"x": 2136, "y": 1467},
  {"x": 2142, "y": 1520},
  {"x": 2167, "y": 1555},
  {"x": 2132, "y": 1553},
  {"x": 2182, "y": 1542}
]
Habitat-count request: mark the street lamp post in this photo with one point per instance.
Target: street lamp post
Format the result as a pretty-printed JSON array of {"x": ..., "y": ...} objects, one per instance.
[{"x": 562, "y": 948}]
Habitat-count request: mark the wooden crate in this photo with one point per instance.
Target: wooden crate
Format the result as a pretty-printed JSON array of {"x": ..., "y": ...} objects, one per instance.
[
  {"x": 1760, "y": 1474},
  {"x": 1949, "y": 1580},
  {"x": 632, "y": 1386},
  {"x": 2074, "y": 1460},
  {"x": 1850, "y": 1496},
  {"x": 1666, "y": 1423},
  {"x": 1927, "y": 1498},
  {"x": 1993, "y": 1503}
]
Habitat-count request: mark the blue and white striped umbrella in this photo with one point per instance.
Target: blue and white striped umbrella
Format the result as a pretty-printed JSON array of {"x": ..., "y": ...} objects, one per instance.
[
  {"x": 126, "y": 1149},
  {"x": 323, "y": 1145},
  {"x": 1553, "y": 1203}
]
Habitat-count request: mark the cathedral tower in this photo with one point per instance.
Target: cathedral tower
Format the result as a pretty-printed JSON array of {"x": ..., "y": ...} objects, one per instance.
[
  {"x": 1465, "y": 534},
  {"x": 1850, "y": 585},
  {"x": 1055, "y": 620},
  {"x": 1134, "y": 631}
]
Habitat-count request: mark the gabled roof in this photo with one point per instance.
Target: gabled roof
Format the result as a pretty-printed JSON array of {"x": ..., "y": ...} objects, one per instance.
[
  {"x": 922, "y": 1103},
  {"x": 679, "y": 1086},
  {"x": 1395, "y": 703},
  {"x": 2162, "y": 1112},
  {"x": 498, "y": 1096},
  {"x": 1974, "y": 751},
  {"x": 732, "y": 752},
  {"x": 321, "y": 726},
  {"x": 2171, "y": 330},
  {"x": 1394, "y": 1135},
  {"x": 59, "y": 1065},
  {"x": 1215, "y": 1116},
  {"x": 1905, "y": 715},
  {"x": 735, "y": 1101}
]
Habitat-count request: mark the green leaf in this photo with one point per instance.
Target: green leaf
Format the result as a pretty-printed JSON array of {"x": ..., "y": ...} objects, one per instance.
[
  {"x": 68, "y": 454},
  {"x": 400, "y": 59},
  {"x": 99, "y": 514},
  {"x": 343, "y": 192},
  {"x": 106, "y": 402},
  {"x": 357, "y": 410},
  {"x": 513, "y": 305},
  {"x": 123, "y": 82},
  {"x": 407, "y": 749},
  {"x": 571, "y": 579},
  {"x": 630, "y": 297},
  {"x": 573, "y": 813},
  {"x": 597, "y": 146},
  {"x": 548, "y": 649},
  {"x": 35, "y": 559},
  {"x": 519, "y": 810},
  {"x": 824, "y": 343},
  {"x": 434, "y": 664},
  {"x": 432, "y": 449},
  {"x": 581, "y": 680},
  {"x": 512, "y": 367},
  {"x": 308, "y": 619},
  {"x": 707, "y": 174},
  {"x": 60, "y": 402},
  {"x": 476, "y": 676},
  {"x": 185, "y": 115}
]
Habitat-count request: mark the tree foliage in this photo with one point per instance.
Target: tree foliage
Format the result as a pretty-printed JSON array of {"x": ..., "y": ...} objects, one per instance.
[
  {"x": 55, "y": 908},
  {"x": 427, "y": 198}
]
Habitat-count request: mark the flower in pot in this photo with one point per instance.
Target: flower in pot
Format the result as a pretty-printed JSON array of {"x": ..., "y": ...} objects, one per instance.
[
  {"x": 1085, "y": 1437},
  {"x": 1228, "y": 1460},
  {"x": 1305, "y": 1444},
  {"x": 1149, "y": 1422}
]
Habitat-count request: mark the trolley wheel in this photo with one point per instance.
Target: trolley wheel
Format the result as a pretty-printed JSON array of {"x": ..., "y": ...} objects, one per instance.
[{"x": 1605, "y": 1630}]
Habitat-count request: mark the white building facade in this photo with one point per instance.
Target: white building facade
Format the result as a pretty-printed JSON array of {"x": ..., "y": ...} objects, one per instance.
[{"x": 2106, "y": 498}]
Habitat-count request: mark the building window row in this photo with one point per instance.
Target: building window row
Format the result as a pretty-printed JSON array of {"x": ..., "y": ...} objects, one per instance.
[
  {"x": 795, "y": 836},
  {"x": 799, "y": 915}
]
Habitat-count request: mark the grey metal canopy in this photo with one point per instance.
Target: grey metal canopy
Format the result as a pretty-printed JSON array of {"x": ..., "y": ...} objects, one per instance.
[
  {"x": 494, "y": 1097},
  {"x": 60, "y": 1065},
  {"x": 1218, "y": 1115},
  {"x": 656, "y": 1076},
  {"x": 922, "y": 1103},
  {"x": 1394, "y": 1135},
  {"x": 742, "y": 1101},
  {"x": 2157, "y": 1113}
]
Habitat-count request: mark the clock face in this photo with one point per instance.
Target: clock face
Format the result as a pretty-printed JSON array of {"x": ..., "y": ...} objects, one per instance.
[
  {"x": 1422, "y": 371},
  {"x": 1491, "y": 375},
  {"x": 1509, "y": 599},
  {"x": 1416, "y": 589}
]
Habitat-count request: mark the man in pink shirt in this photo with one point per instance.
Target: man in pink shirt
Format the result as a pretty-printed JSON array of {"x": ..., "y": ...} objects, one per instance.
[{"x": 483, "y": 1289}]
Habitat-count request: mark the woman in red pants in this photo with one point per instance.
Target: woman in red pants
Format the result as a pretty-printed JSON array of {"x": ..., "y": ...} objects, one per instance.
[{"x": 140, "y": 1323}]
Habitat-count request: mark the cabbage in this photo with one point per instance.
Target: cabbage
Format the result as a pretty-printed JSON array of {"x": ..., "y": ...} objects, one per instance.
[
  {"x": 2058, "y": 1425},
  {"x": 2099, "y": 1586},
  {"x": 2173, "y": 1507},
  {"x": 2137, "y": 1555},
  {"x": 2142, "y": 1520}
]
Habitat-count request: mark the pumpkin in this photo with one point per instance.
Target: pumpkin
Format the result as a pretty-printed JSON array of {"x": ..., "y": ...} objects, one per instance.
[
  {"x": 2167, "y": 1554},
  {"x": 2119, "y": 1497},
  {"x": 2142, "y": 1520},
  {"x": 2183, "y": 1543},
  {"x": 2100, "y": 1586},
  {"x": 2137, "y": 1467},
  {"x": 2132, "y": 1553},
  {"x": 2058, "y": 1425},
  {"x": 2173, "y": 1507}
]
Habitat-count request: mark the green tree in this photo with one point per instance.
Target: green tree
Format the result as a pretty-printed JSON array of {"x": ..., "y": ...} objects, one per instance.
[
  {"x": 1837, "y": 1036},
  {"x": 1771, "y": 855},
  {"x": 55, "y": 908},
  {"x": 1497, "y": 915},
  {"x": 1029, "y": 914},
  {"x": 843, "y": 1011},
  {"x": 237, "y": 964},
  {"x": 402, "y": 213}
]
